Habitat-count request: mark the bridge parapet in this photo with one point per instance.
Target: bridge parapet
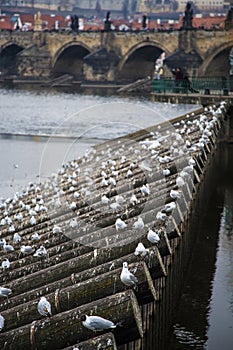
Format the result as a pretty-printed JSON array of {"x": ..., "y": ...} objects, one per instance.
[{"x": 137, "y": 51}]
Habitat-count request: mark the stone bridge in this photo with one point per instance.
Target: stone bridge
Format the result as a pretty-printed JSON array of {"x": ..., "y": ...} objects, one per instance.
[{"x": 113, "y": 56}]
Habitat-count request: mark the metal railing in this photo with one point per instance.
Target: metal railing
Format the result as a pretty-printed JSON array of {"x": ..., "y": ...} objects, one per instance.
[{"x": 203, "y": 85}]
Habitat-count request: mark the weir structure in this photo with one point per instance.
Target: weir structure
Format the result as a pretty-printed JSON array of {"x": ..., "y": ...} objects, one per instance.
[{"x": 155, "y": 175}]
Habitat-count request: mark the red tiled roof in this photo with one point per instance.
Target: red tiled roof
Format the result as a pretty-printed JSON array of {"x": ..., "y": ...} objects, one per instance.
[{"x": 98, "y": 24}]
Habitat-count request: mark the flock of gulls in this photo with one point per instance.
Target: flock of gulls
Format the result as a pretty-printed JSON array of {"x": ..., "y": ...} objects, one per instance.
[{"x": 126, "y": 192}]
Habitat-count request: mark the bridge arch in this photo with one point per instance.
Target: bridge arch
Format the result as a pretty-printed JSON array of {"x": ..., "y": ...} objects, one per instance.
[
  {"x": 69, "y": 60},
  {"x": 217, "y": 61},
  {"x": 8, "y": 58},
  {"x": 139, "y": 61}
]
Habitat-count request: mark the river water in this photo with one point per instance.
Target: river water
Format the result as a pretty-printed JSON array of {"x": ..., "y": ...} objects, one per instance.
[{"x": 40, "y": 131}]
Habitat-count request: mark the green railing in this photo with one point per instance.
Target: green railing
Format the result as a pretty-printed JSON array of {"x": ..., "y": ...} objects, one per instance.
[{"x": 205, "y": 85}]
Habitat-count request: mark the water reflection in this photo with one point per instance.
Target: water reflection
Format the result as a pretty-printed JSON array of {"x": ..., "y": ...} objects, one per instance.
[
  {"x": 220, "y": 334},
  {"x": 204, "y": 317}
]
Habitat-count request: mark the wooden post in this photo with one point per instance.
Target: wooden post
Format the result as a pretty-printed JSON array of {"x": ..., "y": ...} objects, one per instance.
[{"x": 103, "y": 342}]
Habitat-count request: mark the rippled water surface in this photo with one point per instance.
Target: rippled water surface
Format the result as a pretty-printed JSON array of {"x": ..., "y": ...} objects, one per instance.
[
  {"x": 85, "y": 116},
  {"x": 204, "y": 317},
  {"x": 42, "y": 130}
]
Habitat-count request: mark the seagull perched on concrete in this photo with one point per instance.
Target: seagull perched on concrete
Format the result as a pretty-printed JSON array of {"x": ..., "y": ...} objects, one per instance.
[
  {"x": 166, "y": 172},
  {"x": 153, "y": 236},
  {"x": 175, "y": 194},
  {"x": 57, "y": 229},
  {"x": 169, "y": 207},
  {"x": 5, "y": 292},
  {"x": 128, "y": 277},
  {"x": 97, "y": 323},
  {"x": 120, "y": 224},
  {"x": 17, "y": 238},
  {"x": 6, "y": 264},
  {"x": 140, "y": 250},
  {"x": 139, "y": 224},
  {"x": 145, "y": 189},
  {"x": 44, "y": 307},
  {"x": 41, "y": 252},
  {"x": 35, "y": 237},
  {"x": 26, "y": 249},
  {"x": 161, "y": 216},
  {"x": 8, "y": 247},
  {"x": 2, "y": 321}
]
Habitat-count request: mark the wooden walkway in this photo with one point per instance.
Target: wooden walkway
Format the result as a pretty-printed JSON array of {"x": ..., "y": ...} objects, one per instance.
[{"x": 74, "y": 214}]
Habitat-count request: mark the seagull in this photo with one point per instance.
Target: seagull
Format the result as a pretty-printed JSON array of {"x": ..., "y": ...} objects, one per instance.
[
  {"x": 5, "y": 292},
  {"x": 104, "y": 182},
  {"x": 115, "y": 206},
  {"x": 153, "y": 237},
  {"x": 17, "y": 238},
  {"x": 119, "y": 199},
  {"x": 6, "y": 264},
  {"x": 57, "y": 229},
  {"x": 40, "y": 252},
  {"x": 73, "y": 205},
  {"x": 2, "y": 320},
  {"x": 128, "y": 277},
  {"x": 140, "y": 250},
  {"x": 35, "y": 237},
  {"x": 26, "y": 249},
  {"x": 2, "y": 242},
  {"x": 33, "y": 220},
  {"x": 161, "y": 216},
  {"x": 145, "y": 190},
  {"x": 133, "y": 199},
  {"x": 97, "y": 323},
  {"x": 8, "y": 247},
  {"x": 120, "y": 224},
  {"x": 180, "y": 181},
  {"x": 169, "y": 207},
  {"x": 73, "y": 223},
  {"x": 104, "y": 199},
  {"x": 166, "y": 172},
  {"x": 175, "y": 194},
  {"x": 112, "y": 181},
  {"x": 44, "y": 307},
  {"x": 139, "y": 224}
]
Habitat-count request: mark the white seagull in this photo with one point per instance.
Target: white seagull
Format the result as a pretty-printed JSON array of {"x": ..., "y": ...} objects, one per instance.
[
  {"x": 128, "y": 277},
  {"x": 5, "y": 292},
  {"x": 140, "y": 250},
  {"x": 161, "y": 216},
  {"x": 153, "y": 236},
  {"x": 145, "y": 189},
  {"x": 97, "y": 323},
  {"x": 8, "y": 247},
  {"x": 41, "y": 252},
  {"x": 57, "y": 229},
  {"x": 17, "y": 238},
  {"x": 6, "y": 264},
  {"x": 175, "y": 194},
  {"x": 26, "y": 249},
  {"x": 139, "y": 224},
  {"x": 44, "y": 307},
  {"x": 120, "y": 224}
]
